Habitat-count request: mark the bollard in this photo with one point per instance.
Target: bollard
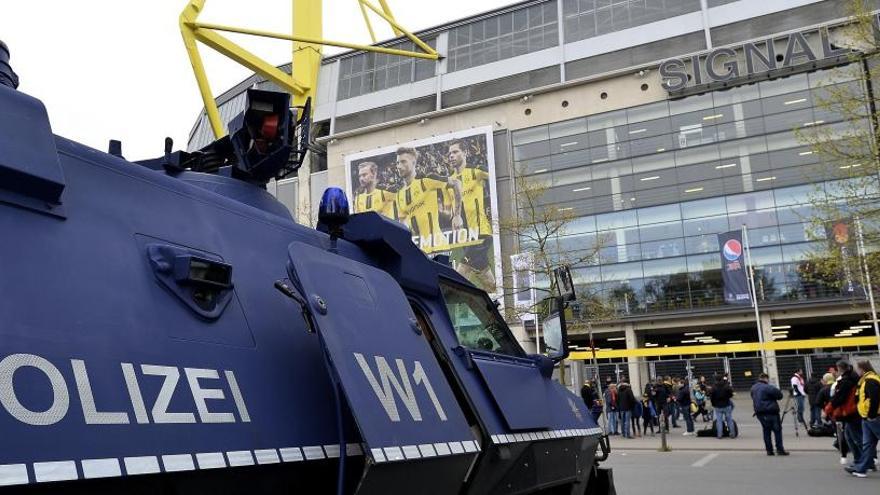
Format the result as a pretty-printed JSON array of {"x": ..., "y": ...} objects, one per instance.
[{"x": 664, "y": 447}]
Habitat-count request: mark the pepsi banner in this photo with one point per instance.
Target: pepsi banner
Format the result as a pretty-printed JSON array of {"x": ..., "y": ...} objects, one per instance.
[{"x": 733, "y": 268}]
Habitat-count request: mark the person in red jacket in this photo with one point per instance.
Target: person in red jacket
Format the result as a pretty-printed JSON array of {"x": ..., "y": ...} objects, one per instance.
[
  {"x": 844, "y": 408},
  {"x": 869, "y": 410}
]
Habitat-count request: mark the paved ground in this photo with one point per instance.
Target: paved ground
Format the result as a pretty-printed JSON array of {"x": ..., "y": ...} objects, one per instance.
[
  {"x": 734, "y": 473},
  {"x": 750, "y": 436},
  {"x": 750, "y": 439},
  {"x": 702, "y": 466}
]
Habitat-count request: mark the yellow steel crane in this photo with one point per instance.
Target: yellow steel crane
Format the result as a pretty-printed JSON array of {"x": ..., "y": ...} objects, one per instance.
[{"x": 306, "y": 35}]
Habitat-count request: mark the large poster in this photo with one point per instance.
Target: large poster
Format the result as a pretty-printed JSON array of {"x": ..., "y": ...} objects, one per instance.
[
  {"x": 841, "y": 239},
  {"x": 443, "y": 189},
  {"x": 733, "y": 269}
]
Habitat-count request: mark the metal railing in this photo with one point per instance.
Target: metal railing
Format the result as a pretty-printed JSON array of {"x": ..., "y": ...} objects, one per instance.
[{"x": 743, "y": 371}]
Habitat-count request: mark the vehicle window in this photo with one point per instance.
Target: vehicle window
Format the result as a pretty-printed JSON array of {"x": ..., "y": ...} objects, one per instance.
[{"x": 477, "y": 324}]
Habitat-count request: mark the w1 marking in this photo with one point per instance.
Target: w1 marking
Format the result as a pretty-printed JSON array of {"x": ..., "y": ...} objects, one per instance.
[{"x": 390, "y": 383}]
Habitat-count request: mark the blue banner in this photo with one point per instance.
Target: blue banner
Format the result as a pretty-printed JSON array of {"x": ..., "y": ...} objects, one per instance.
[{"x": 733, "y": 268}]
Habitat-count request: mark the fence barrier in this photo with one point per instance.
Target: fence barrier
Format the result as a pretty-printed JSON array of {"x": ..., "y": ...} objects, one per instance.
[{"x": 743, "y": 371}]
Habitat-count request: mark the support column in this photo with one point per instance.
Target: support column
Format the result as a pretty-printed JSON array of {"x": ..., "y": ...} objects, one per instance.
[
  {"x": 577, "y": 374},
  {"x": 772, "y": 370},
  {"x": 635, "y": 374}
]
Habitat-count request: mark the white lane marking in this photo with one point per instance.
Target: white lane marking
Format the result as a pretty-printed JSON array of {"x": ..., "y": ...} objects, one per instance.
[
  {"x": 13, "y": 474},
  {"x": 313, "y": 452},
  {"x": 178, "y": 462},
  {"x": 267, "y": 456},
  {"x": 55, "y": 471},
  {"x": 210, "y": 460},
  {"x": 141, "y": 465},
  {"x": 378, "y": 455},
  {"x": 291, "y": 454},
  {"x": 101, "y": 468},
  {"x": 705, "y": 460},
  {"x": 332, "y": 451},
  {"x": 240, "y": 458}
]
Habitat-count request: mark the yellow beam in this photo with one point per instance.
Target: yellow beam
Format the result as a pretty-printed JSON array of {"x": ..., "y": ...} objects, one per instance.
[
  {"x": 387, "y": 10},
  {"x": 398, "y": 28},
  {"x": 367, "y": 21},
  {"x": 433, "y": 55},
  {"x": 249, "y": 60},
  {"x": 306, "y": 59},
  {"x": 779, "y": 345},
  {"x": 306, "y": 46},
  {"x": 189, "y": 15}
]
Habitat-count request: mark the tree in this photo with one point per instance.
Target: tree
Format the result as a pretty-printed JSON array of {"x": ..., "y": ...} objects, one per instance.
[
  {"x": 850, "y": 154},
  {"x": 539, "y": 227}
]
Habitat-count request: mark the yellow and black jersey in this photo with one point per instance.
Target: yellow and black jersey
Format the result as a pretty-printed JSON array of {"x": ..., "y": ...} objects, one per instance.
[
  {"x": 418, "y": 206},
  {"x": 379, "y": 200},
  {"x": 473, "y": 182}
]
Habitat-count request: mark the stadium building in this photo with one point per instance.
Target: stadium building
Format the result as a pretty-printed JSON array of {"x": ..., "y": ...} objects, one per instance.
[{"x": 659, "y": 123}]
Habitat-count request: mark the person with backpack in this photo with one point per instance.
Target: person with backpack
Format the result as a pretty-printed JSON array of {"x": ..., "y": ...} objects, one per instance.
[
  {"x": 720, "y": 396},
  {"x": 611, "y": 408},
  {"x": 700, "y": 400},
  {"x": 765, "y": 399},
  {"x": 868, "y": 407},
  {"x": 626, "y": 403},
  {"x": 844, "y": 408},
  {"x": 831, "y": 379},
  {"x": 813, "y": 387}
]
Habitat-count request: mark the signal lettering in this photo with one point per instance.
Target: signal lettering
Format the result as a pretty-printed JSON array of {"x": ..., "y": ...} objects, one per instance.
[{"x": 390, "y": 383}]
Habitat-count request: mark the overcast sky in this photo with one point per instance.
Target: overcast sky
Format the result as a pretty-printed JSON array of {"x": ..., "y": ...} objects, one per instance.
[{"x": 116, "y": 69}]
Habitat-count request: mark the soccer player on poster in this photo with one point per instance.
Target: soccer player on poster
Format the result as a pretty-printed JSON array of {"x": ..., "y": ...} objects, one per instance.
[
  {"x": 421, "y": 201},
  {"x": 372, "y": 198},
  {"x": 475, "y": 260}
]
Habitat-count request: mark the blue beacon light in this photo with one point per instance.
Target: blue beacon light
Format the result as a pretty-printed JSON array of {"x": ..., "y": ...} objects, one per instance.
[{"x": 333, "y": 212}]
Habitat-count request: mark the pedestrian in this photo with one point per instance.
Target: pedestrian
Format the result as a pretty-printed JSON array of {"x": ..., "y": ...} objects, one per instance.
[
  {"x": 671, "y": 406},
  {"x": 637, "y": 414},
  {"x": 661, "y": 401},
  {"x": 649, "y": 415},
  {"x": 626, "y": 402},
  {"x": 591, "y": 399},
  {"x": 799, "y": 394},
  {"x": 813, "y": 387},
  {"x": 765, "y": 400},
  {"x": 587, "y": 394},
  {"x": 700, "y": 401},
  {"x": 845, "y": 409},
  {"x": 611, "y": 408},
  {"x": 868, "y": 407},
  {"x": 720, "y": 396},
  {"x": 825, "y": 396},
  {"x": 683, "y": 399}
]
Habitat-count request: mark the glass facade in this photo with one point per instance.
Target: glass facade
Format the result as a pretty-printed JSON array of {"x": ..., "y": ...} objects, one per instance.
[
  {"x": 503, "y": 36},
  {"x": 368, "y": 72},
  {"x": 587, "y": 18},
  {"x": 653, "y": 185}
]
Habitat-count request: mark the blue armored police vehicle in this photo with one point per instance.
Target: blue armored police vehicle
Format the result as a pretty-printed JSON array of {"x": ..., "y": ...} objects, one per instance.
[{"x": 166, "y": 327}]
